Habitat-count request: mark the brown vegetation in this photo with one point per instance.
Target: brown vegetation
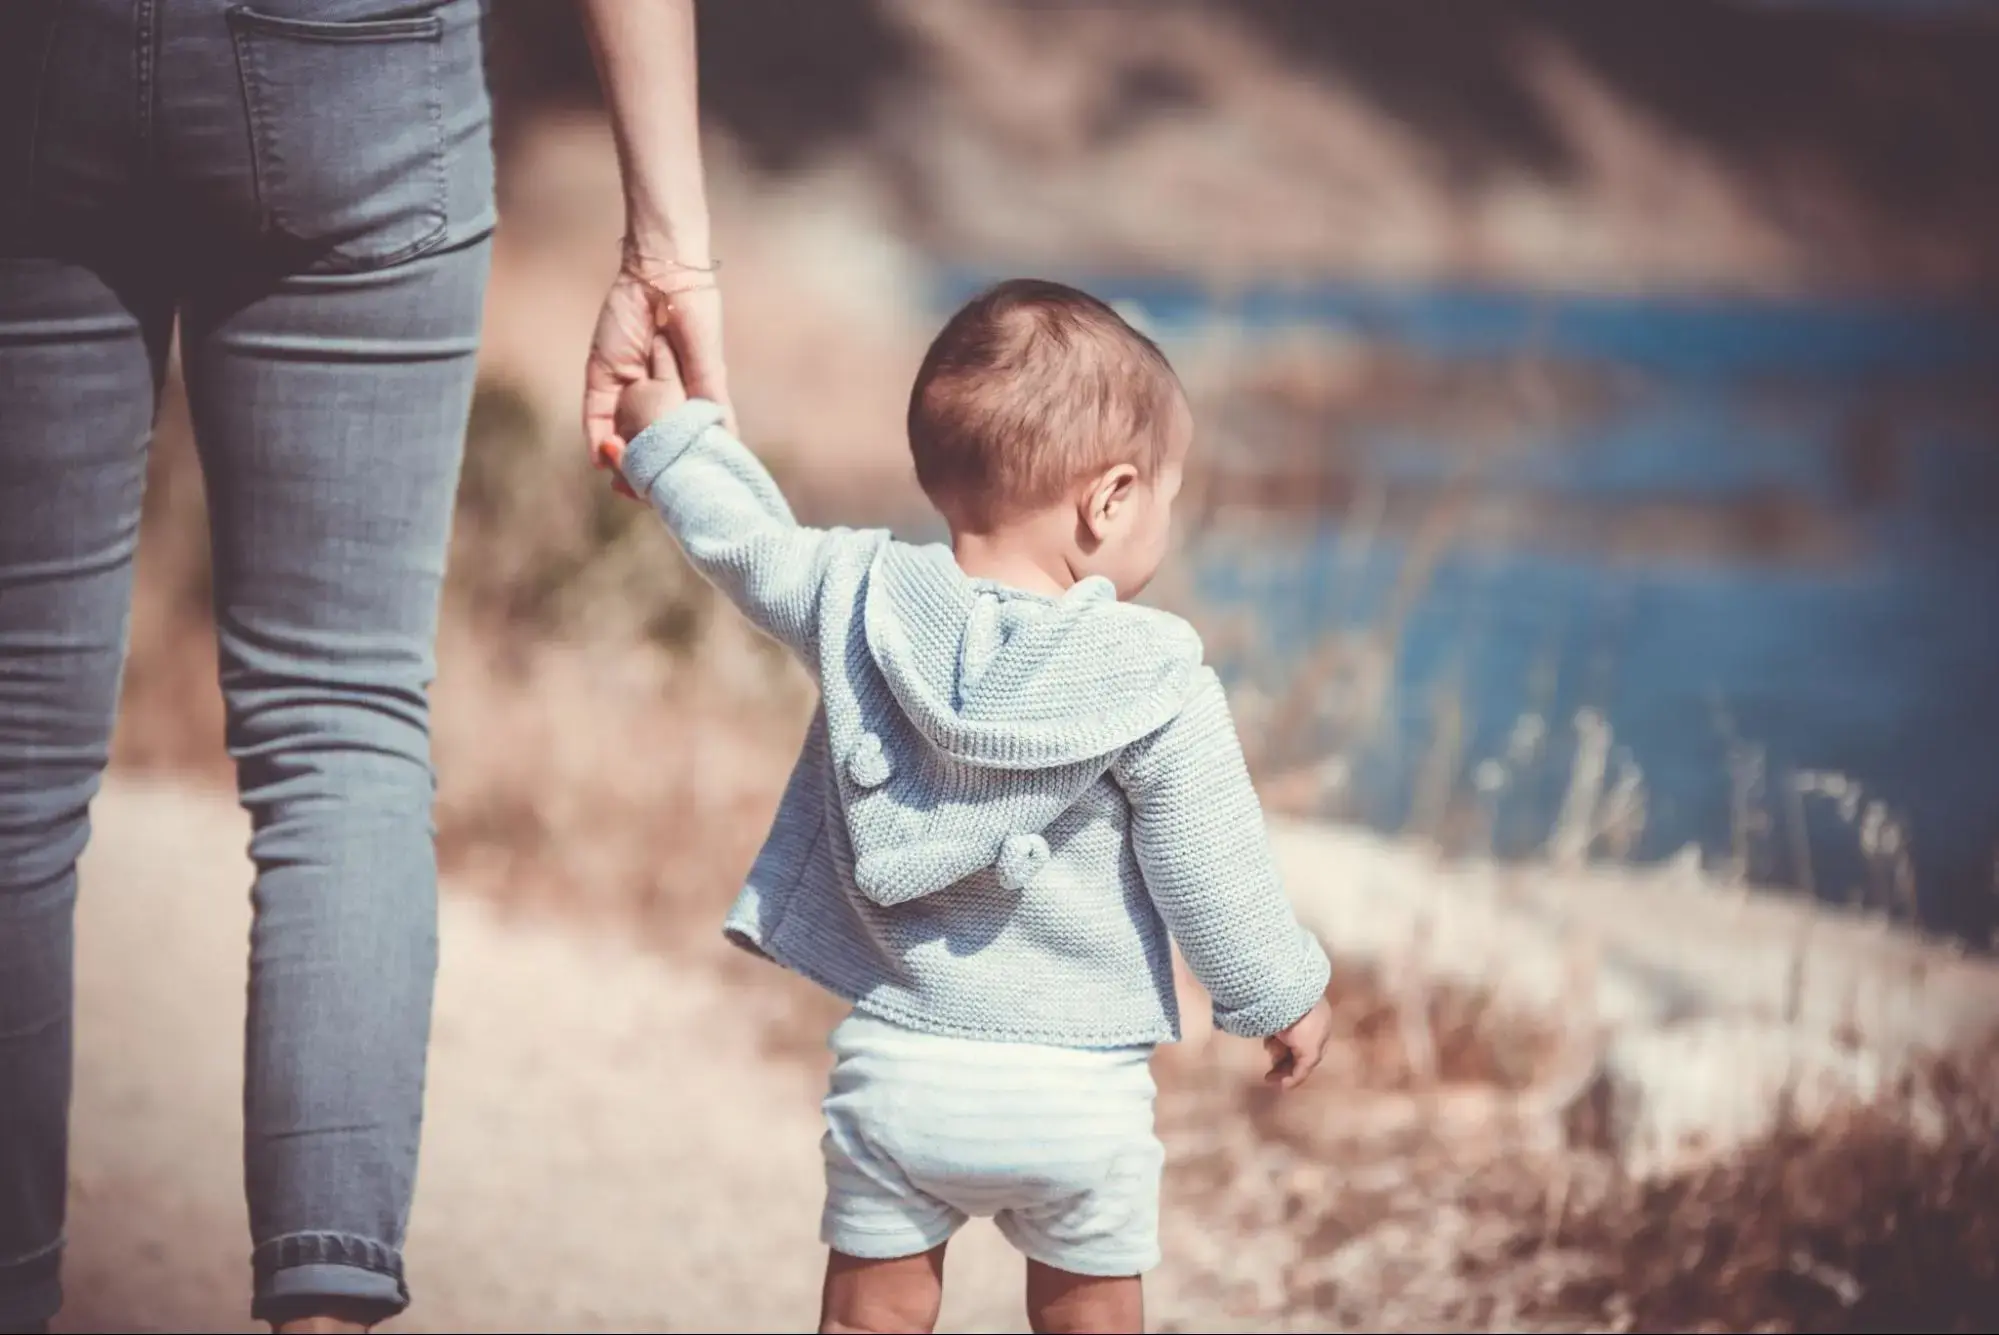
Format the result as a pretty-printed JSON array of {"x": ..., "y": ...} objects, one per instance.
[
  {"x": 1865, "y": 1225},
  {"x": 1326, "y": 1218}
]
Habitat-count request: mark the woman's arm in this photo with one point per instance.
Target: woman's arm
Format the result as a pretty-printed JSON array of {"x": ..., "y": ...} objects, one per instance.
[{"x": 644, "y": 50}]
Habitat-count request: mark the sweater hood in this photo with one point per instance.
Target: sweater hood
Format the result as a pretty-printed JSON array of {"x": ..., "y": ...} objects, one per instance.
[{"x": 964, "y": 697}]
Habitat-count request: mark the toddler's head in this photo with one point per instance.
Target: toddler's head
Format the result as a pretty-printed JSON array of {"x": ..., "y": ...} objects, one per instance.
[{"x": 1049, "y": 431}]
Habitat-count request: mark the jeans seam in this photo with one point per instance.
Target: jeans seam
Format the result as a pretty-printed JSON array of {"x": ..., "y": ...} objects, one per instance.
[
  {"x": 31, "y": 155},
  {"x": 249, "y": 74}
]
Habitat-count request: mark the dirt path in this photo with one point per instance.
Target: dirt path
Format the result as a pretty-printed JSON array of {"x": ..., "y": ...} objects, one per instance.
[{"x": 605, "y": 1148}]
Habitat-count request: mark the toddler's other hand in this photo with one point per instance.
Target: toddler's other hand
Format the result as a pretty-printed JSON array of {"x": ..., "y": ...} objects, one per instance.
[{"x": 1295, "y": 1052}]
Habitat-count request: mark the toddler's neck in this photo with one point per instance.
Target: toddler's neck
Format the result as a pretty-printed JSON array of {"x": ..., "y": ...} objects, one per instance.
[{"x": 1014, "y": 558}]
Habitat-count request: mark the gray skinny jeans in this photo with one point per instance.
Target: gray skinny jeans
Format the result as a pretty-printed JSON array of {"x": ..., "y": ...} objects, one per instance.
[{"x": 309, "y": 192}]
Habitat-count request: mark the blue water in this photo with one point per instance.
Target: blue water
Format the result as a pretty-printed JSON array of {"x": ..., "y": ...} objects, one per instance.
[
  {"x": 1883, "y": 668},
  {"x": 1685, "y": 337}
]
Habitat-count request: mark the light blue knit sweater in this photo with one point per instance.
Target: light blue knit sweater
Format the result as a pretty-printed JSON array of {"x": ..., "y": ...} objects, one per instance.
[{"x": 1005, "y": 802}]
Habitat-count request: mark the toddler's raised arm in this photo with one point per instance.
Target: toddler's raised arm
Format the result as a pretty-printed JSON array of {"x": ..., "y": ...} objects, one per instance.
[{"x": 725, "y": 510}]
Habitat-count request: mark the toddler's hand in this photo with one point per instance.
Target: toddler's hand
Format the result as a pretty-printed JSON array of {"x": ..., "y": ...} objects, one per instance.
[
  {"x": 1295, "y": 1052},
  {"x": 644, "y": 402},
  {"x": 640, "y": 404}
]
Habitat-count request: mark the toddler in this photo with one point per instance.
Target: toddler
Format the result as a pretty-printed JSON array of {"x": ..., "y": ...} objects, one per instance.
[{"x": 1018, "y": 789}]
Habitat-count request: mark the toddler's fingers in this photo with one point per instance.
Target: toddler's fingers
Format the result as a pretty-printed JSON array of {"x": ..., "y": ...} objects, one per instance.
[
  {"x": 1281, "y": 1060},
  {"x": 1304, "y": 1061}
]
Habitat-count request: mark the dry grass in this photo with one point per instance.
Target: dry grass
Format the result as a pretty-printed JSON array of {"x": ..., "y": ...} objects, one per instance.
[
  {"x": 610, "y": 784},
  {"x": 611, "y": 737},
  {"x": 1347, "y": 1204},
  {"x": 1863, "y": 1226},
  {"x": 1438, "y": 1036},
  {"x": 1301, "y": 1213}
]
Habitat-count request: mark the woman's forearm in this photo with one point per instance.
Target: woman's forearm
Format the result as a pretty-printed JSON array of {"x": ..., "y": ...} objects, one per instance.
[{"x": 644, "y": 51}]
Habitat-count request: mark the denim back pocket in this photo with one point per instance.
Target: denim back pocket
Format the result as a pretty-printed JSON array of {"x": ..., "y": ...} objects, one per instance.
[{"x": 347, "y": 132}]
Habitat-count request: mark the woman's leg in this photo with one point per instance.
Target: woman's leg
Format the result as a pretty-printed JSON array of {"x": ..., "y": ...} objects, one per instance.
[
  {"x": 330, "y": 414},
  {"x": 335, "y": 174},
  {"x": 82, "y": 344},
  {"x": 80, "y": 357}
]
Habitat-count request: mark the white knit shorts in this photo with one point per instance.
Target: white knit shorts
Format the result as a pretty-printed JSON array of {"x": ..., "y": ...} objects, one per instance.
[{"x": 924, "y": 1131}]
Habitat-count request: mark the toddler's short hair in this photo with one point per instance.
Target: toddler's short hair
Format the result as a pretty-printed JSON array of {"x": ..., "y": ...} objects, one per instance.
[{"x": 1030, "y": 387}]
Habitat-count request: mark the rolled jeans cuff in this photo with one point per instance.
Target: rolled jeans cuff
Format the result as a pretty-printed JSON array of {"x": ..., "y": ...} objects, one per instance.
[{"x": 295, "y": 1272}]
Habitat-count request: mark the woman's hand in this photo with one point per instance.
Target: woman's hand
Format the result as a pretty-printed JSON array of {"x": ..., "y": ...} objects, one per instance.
[
  {"x": 648, "y": 303},
  {"x": 619, "y": 350},
  {"x": 689, "y": 316}
]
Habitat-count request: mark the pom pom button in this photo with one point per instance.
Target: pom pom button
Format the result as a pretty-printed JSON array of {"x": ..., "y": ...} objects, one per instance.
[
  {"x": 867, "y": 764},
  {"x": 1021, "y": 858}
]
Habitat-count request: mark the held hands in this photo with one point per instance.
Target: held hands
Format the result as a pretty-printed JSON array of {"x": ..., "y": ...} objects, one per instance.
[
  {"x": 643, "y": 402},
  {"x": 660, "y": 322},
  {"x": 1295, "y": 1052}
]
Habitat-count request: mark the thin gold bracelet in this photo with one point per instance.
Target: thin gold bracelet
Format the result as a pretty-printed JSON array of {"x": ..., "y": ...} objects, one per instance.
[{"x": 630, "y": 253}]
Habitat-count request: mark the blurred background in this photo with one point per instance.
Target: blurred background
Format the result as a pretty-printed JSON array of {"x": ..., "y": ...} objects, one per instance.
[{"x": 1598, "y": 412}]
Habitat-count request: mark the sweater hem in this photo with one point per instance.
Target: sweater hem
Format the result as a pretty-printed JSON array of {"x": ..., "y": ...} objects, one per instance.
[{"x": 909, "y": 1018}]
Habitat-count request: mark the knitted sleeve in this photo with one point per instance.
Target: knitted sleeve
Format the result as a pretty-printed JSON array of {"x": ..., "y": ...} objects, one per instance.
[
  {"x": 725, "y": 510},
  {"x": 1197, "y": 832}
]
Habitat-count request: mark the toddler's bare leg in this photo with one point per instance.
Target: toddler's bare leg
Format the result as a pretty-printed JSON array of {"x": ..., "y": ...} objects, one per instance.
[
  {"x": 897, "y": 1297},
  {"x": 1061, "y": 1303}
]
